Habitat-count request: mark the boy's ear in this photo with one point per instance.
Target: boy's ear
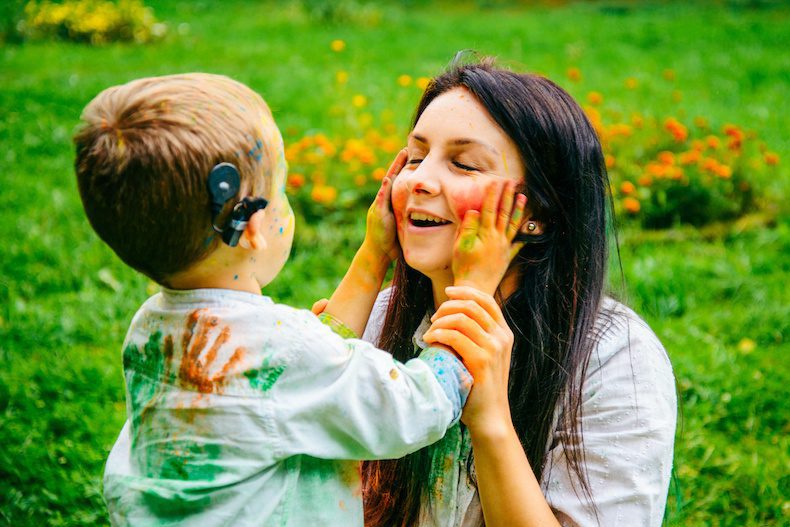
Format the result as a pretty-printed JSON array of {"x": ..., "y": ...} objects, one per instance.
[{"x": 252, "y": 237}]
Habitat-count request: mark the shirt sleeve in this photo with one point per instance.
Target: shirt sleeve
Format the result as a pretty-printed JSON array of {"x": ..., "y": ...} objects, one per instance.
[
  {"x": 628, "y": 422},
  {"x": 344, "y": 399}
]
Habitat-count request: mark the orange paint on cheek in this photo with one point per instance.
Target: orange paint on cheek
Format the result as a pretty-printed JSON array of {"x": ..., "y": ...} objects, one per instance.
[
  {"x": 399, "y": 197},
  {"x": 462, "y": 201}
]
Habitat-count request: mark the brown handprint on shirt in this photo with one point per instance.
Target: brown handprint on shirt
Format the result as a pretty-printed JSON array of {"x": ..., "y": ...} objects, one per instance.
[{"x": 196, "y": 365}]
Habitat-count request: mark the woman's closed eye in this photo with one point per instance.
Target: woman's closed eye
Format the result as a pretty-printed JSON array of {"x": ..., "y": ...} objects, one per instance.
[
  {"x": 414, "y": 161},
  {"x": 467, "y": 168}
]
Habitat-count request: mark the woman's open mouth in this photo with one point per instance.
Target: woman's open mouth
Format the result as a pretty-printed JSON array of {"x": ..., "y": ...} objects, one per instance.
[{"x": 419, "y": 219}]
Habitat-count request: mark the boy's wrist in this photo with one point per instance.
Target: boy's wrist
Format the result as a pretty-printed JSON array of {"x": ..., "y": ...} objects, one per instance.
[{"x": 374, "y": 254}]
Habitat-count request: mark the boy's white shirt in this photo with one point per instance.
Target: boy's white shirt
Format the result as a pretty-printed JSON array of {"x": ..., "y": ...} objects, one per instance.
[
  {"x": 629, "y": 412},
  {"x": 263, "y": 423}
]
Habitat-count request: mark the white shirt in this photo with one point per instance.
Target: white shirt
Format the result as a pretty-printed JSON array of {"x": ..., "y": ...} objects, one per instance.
[
  {"x": 246, "y": 412},
  {"x": 629, "y": 411}
]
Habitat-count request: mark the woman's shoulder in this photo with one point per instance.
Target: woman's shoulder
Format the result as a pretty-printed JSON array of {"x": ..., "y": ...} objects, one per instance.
[{"x": 618, "y": 330}]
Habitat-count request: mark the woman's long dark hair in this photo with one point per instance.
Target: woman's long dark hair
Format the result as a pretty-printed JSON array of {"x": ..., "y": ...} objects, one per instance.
[{"x": 560, "y": 282}]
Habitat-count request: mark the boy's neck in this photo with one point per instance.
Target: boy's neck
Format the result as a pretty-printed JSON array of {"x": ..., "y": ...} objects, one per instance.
[{"x": 217, "y": 272}]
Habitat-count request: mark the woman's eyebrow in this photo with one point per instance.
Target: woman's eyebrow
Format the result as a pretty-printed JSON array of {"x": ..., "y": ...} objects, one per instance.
[
  {"x": 461, "y": 141},
  {"x": 466, "y": 141}
]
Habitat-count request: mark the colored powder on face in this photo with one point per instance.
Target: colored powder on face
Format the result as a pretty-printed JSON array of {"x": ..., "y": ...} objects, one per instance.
[
  {"x": 464, "y": 200},
  {"x": 399, "y": 197}
]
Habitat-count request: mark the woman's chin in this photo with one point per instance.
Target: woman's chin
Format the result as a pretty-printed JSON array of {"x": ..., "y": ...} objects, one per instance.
[{"x": 432, "y": 267}]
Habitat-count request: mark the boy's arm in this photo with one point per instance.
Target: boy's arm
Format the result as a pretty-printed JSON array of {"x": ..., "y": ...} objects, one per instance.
[
  {"x": 354, "y": 297},
  {"x": 346, "y": 399}
]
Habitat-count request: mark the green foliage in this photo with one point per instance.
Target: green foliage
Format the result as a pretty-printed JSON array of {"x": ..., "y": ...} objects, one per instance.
[
  {"x": 716, "y": 298},
  {"x": 92, "y": 21}
]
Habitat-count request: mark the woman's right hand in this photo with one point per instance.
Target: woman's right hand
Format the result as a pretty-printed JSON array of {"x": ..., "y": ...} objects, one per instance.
[{"x": 471, "y": 323}]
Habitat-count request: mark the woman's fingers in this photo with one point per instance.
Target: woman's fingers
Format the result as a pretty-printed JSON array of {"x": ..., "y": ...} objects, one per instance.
[
  {"x": 462, "y": 323},
  {"x": 460, "y": 343},
  {"x": 469, "y": 308},
  {"x": 485, "y": 301}
]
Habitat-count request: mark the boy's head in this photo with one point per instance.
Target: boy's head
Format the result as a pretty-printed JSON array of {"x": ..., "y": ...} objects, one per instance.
[{"x": 144, "y": 154}]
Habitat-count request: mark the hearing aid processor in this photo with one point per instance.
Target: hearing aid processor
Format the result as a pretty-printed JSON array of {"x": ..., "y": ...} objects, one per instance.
[{"x": 223, "y": 184}]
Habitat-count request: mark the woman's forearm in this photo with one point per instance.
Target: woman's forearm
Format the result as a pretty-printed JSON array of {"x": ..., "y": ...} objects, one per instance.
[{"x": 509, "y": 492}]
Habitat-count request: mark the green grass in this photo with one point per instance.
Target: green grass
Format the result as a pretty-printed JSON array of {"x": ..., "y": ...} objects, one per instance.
[{"x": 65, "y": 300}]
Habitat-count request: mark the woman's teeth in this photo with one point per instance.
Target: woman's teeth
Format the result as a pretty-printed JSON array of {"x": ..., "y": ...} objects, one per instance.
[{"x": 426, "y": 220}]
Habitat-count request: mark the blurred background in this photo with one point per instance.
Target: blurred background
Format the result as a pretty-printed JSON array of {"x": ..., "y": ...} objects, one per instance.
[{"x": 689, "y": 99}]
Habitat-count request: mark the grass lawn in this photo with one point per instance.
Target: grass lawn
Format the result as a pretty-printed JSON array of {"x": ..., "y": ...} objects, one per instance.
[{"x": 718, "y": 299}]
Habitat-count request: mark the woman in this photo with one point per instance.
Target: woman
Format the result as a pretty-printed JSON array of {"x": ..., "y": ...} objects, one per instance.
[{"x": 573, "y": 420}]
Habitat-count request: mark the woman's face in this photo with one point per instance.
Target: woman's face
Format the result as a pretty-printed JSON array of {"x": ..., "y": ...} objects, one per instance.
[{"x": 455, "y": 149}]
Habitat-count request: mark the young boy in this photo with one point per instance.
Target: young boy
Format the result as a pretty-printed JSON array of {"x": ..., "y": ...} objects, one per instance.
[{"x": 240, "y": 411}]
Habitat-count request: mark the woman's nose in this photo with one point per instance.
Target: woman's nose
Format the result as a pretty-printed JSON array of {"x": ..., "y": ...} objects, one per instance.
[{"x": 422, "y": 181}]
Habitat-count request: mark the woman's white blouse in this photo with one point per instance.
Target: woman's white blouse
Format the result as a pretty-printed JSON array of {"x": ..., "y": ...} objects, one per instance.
[{"x": 629, "y": 412}]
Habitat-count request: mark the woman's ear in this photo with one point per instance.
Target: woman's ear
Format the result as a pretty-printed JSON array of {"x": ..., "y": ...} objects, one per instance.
[
  {"x": 253, "y": 237},
  {"x": 532, "y": 228}
]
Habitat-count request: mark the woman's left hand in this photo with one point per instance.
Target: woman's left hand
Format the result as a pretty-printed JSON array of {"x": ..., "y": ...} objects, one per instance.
[{"x": 471, "y": 323}]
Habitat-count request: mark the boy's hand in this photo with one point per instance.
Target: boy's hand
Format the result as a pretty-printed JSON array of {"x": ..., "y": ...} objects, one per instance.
[
  {"x": 381, "y": 236},
  {"x": 485, "y": 248}
]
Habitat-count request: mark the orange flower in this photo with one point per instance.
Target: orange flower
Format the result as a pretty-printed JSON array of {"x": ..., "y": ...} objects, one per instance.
[
  {"x": 723, "y": 171},
  {"x": 404, "y": 80},
  {"x": 631, "y": 205},
  {"x": 676, "y": 128},
  {"x": 771, "y": 158},
  {"x": 422, "y": 82},
  {"x": 324, "y": 194},
  {"x": 637, "y": 120},
  {"x": 713, "y": 142},
  {"x": 360, "y": 180},
  {"x": 666, "y": 157},
  {"x": 378, "y": 174},
  {"x": 337, "y": 45},
  {"x": 594, "y": 98},
  {"x": 627, "y": 187},
  {"x": 687, "y": 158},
  {"x": 341, "y": 77},
  {"x": 574, "y": 74},
  {"x": 296, "y": 180},
  {"x": 631, "y": 83},
  {"x": 645, "y": 180},
  {"x": 669, "y": 74},
  {"x": 609, "y": 160}
]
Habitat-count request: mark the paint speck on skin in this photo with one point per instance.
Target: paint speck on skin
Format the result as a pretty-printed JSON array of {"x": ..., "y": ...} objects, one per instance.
[{"x": 235, "y": 277}]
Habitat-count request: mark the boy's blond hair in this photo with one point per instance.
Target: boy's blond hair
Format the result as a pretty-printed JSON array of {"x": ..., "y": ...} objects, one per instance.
[{"x": 144, "y": 154}]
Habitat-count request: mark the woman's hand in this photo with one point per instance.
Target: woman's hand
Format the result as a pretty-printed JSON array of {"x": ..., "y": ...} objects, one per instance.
[
  {"x": 471, "y": 323},
  {"x": 485, "y": 248},
  {"x": 381, "y": 235}
]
